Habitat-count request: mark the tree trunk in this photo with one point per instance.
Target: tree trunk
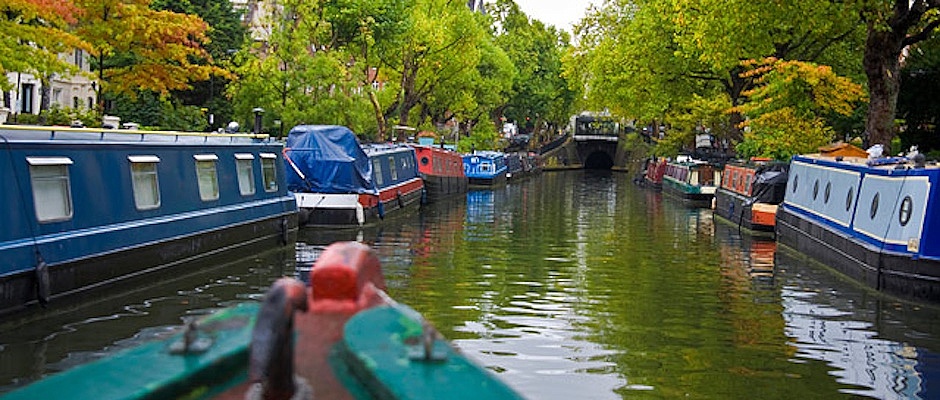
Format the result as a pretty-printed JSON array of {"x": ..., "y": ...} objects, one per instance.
[
  {"x": 379, "y": 117},
  {"x": 45, "y": 98},
  {"x": 883, "y": 70}
]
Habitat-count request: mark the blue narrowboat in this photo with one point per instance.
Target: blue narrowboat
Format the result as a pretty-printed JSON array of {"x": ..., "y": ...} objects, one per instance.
[
  {"x": 338, "y": 182},
  {"x": 876, "y": 220},
  {"x": 485, "y": 168},
  {"x": 86, "y": 209}
]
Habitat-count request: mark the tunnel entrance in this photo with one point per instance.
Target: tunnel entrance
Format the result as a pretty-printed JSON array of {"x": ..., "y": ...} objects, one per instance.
[{"x": 598, "y": 160}]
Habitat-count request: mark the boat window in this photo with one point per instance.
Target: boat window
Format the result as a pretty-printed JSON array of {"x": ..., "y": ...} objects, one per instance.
[
  {"x": 52, "y": 194},
  {"x": 796, "y": 183},
  {"x": 904, "y": 213},
  {"x": 815, "y": 190},
  {"x": 826, "y": 193},
  {"x": 391, "y": 168},
  {"x": 144, "y": 181},
  {"x": 207, "y": 176},
  {"x": 245, "y": 168},
  {"x": 874, "y": 206},
  {"x": 269, "y": 171}
]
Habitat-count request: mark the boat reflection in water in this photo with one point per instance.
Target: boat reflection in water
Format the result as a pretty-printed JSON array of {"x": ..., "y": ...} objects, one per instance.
[{"x": 874, "y": 354}]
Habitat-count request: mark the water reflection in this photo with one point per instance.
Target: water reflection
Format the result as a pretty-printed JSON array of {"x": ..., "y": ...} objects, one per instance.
[{"x": 872, "y": 344}]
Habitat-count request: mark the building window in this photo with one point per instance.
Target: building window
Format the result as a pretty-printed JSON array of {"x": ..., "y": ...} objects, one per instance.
[
  {"x": 145, "y": 182},
  {"x": 79, "y": 60},
  {"x": 26, "y": 98},
  {"x": 75, "y": 103},
  {"x": 269, "y": 171},
  {"x": 207, "y": 176},
  {"x": 245, "y": 166},
  {"x": 52, "y": 194},
  {"x": 57, "y": 96},
  {"x": 91, "y": 103}
]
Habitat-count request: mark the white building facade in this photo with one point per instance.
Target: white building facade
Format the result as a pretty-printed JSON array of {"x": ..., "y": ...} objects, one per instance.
[{"x": 67, "y": 91}]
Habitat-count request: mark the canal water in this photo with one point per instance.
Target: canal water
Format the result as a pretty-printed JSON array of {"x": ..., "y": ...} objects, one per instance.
[{"x": 572, "y": 285}]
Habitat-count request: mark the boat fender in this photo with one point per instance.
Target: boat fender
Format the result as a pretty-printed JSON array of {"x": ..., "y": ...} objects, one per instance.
[
  {"x": 424, "y": 196},
  {"x": 380, "y": 208},
  {"x": 303, "y": 216},
  {"x": 401, "y": 203},
  {"x": 284, "y": 231},
  {"x": 42, "y": 283},
  {"x": 271, "y": 354}
]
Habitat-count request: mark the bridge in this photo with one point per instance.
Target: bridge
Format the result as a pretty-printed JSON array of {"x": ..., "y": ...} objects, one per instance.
[{"x": 593, "y": 143}]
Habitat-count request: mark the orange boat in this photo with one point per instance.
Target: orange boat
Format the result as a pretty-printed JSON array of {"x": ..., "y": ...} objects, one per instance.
[
  {"x": 750, "y": 192},
  {"x": 442, "y": 171}
]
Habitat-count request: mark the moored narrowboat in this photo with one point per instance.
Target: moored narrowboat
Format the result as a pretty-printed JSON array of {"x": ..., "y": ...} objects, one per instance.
[
  {"x": 485, "y": 168},
  {"x": 750, "y": 193},
  {"x": 340, "y": 338},
  {"x": 876, "y": 220},
  {"x": 653, "y": 173},
  {"x": 694, "y": 181},
  {"x": 442, "y": 171},
  {"x": 338, "y": 182},
  {"x": 86, "y": 210}
]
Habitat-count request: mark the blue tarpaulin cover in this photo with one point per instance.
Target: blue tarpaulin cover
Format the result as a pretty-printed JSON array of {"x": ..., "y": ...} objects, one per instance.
[{"x": 330, "y": 159}]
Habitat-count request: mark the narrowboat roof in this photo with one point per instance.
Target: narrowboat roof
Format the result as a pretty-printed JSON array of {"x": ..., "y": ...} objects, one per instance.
[
  {"x": 373, "y": 149},
  {"x": 884, "y": 164},
  {"x": 15, "y": 133}
]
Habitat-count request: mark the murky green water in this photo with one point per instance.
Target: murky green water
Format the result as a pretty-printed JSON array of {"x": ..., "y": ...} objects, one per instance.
[{"x": 576, "y": 285}]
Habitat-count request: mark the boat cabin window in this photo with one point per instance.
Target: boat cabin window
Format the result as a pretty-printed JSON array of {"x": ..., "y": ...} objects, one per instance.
[
  {"x": 377, "y": 172},
  {"x": 207, "y": 176},
  {"x": 245, "y": 167},
  {"x": 391, "y": 168},
  {"x": 269, "y": 171},
  {"x": 144, "y": 181},
  {"x": 52, "y": 194}
]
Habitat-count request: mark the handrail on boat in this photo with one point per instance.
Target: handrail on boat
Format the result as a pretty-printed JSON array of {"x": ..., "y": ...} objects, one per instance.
[{"x": 102, "y": 131}]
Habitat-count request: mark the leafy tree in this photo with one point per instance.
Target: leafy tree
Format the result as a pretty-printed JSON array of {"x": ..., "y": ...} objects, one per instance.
[
  {"x": 540, "y": 91},
  {"x": 440, "y": 48},
  {"x": 226, "y": 35},
  {"x": 790, "y": 106},
  {"x": 33, "y": 33},
  {"x": 647, "y": 57},
  {"x": 892, "y": 26},
  {"x": 139, "y": 48}
]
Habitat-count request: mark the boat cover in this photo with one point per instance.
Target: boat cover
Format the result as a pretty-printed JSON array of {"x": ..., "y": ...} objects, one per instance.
[
  {"x": 330, "y": 159},
  {"x": 770, "y": 183}
]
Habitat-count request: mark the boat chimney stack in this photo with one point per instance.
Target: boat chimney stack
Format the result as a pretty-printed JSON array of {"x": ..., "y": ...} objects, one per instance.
[{"x": 258, "y": 112}]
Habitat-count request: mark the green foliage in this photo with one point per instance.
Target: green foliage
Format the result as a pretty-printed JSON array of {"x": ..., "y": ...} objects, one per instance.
[
  {"x": 789, "y": 108},
  {"x": 782, "y": 133},
  {"x": 918, "y": 104},
  {"x": 32, "y": 34},
  {"x": 150, "y": 110},
  {"x": 698, "y": 115},
  {"x": 58, "y": 115},
  {"x": 483, "y": 137}
]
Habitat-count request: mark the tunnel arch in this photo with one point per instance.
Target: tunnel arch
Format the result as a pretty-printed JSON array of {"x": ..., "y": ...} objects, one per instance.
[{"x": 598, "y": 160}]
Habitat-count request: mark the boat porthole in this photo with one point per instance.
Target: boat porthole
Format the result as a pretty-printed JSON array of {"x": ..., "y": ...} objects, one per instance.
[
  {"x": 904, "y": 213},
  {"x": 796, "y": 183},
  {"x": 874, "y": 206},
  {"x": 424, "y": 161},
  {"x": 848, "y": 199},
  {"x": 827, "y": 192},
  {"x": 815, "y": 189}
]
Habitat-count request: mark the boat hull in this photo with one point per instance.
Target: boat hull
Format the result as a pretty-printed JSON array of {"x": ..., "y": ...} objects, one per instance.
[
  {"x": 736, "y": 209},
  {"x": 897, "y": 274},
  {"x": 339, "y": 210},
  {"x": 439, "y": 187},
  {"x": 489, "y": 181},
  {"x": 874, "y": 222}
]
